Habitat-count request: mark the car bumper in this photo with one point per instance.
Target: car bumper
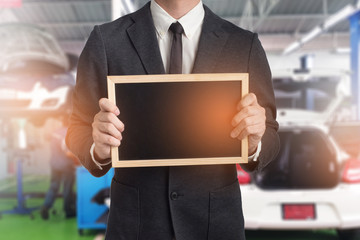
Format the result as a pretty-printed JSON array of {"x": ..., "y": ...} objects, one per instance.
[{"x": 335, "y": 208}]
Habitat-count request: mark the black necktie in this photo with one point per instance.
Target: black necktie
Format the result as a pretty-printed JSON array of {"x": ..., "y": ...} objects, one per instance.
[{"x": 176, "y": 49}]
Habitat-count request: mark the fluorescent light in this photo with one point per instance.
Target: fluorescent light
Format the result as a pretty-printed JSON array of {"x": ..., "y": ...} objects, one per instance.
[
  {"x": 130, "y": 6},
  {"x": 122, "y": 7},
  {"x": 115, "y": 9},
  {"x": 292, "y": 47},
  {"x": 339, "y": 16},
  {"x": 331, "y": 21},
  {"x": 342, "y": 50},
  {"x": 312, "y": 34}
]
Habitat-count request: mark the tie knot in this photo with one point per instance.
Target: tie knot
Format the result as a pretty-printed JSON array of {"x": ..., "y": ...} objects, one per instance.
[{"x": 176, "y": 28}]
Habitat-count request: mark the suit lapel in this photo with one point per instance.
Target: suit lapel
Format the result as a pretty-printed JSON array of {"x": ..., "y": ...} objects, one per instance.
[
  {"x": 143, "y": 35},
  {"x": 211, "y": 43}
]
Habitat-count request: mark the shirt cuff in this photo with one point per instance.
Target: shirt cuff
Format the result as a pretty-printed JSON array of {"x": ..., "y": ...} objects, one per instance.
[
  {"x": 99, "y": 165},
  {"x": 255, "y": 156}
]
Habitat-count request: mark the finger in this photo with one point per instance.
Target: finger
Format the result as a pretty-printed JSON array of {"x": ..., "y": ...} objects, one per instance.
[
  {"x": 110, "y": 118},
  {"x": 246, "y": 122},
  {"x": 101, "y": 138},
  {"x": 244, "y": 113},
  {"x": 254, "y": 130},
  {"x": 110, "y": 129},
  {"x": 107, "y": 106},
  {"x": 247, "y": 100}
]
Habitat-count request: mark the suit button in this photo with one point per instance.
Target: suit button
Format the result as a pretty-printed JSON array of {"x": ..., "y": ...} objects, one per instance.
[{"x": 174, "y": 196}]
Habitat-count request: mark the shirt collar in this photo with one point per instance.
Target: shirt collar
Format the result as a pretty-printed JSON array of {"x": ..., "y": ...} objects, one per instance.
[{"x": 190, "y": 21}]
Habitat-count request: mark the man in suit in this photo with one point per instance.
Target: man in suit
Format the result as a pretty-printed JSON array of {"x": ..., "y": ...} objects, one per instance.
[{"x": 182, "y": 203}]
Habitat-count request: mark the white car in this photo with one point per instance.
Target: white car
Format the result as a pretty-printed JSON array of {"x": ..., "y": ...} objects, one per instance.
[
  {"x": 36, "y": 81},
  {"x": 312, "y": 183}
]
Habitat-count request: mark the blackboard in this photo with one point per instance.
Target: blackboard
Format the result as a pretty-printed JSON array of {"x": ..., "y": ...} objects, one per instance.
[{"x": 176, "y": 120}]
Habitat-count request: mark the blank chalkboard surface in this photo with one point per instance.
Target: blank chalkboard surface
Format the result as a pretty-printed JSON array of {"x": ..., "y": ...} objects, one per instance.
[{"x": 174, "y": 120}]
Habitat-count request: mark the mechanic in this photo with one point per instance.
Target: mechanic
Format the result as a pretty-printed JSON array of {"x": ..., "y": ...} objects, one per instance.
[{"x": 62, "y": 172}]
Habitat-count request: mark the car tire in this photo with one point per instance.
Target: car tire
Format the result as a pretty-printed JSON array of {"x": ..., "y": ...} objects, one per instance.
[{"x": 349, "y": 234}]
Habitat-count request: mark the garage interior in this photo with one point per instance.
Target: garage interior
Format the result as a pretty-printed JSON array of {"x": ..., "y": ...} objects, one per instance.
[{"x": 313, "y": 51}]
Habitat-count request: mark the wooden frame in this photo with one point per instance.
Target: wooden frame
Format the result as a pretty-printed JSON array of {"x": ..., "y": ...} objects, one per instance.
[{"x": 166, "y": 78}]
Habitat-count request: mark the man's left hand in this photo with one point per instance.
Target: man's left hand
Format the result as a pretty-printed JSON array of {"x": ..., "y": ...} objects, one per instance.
[{"x": 249, "y": 121}]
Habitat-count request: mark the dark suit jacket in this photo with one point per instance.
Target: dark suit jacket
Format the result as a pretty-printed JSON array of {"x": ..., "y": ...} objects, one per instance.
[{"x": 192, "y": 203}]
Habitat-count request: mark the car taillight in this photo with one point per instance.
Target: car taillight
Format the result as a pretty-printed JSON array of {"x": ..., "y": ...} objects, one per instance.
[
  {"x": 243, "y": 177},
  {"x": 351, "y": 172}
]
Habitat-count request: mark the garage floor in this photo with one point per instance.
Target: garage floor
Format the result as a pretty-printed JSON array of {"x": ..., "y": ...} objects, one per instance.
[{"x": 14, "y": 227}]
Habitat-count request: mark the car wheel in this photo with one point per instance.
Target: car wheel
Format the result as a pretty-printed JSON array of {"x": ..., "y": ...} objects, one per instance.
[{"x": 349, "y": 234}]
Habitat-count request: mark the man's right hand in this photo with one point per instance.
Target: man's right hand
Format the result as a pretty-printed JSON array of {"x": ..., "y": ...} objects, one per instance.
[{"x": 106, "y": 129}]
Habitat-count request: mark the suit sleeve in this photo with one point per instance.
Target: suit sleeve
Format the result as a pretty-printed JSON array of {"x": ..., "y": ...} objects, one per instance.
[
  {"x": 260, "y": 83},
  {"x": 91, "y": 85}
]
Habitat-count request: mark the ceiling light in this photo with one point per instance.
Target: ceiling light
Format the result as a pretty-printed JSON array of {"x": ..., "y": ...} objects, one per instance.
[
  {"x": 342, "y": 50},
  {"x": 130, "y": 6},
  {"x": 339, "y": 16},
  {"x": 291, "y": 48},
  {"x": 312, "y": 34},
  {"x": 331, "y": 21}
]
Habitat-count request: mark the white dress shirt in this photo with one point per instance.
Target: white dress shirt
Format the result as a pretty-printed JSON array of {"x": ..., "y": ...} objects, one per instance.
[{"x": 192, "y": 24}]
